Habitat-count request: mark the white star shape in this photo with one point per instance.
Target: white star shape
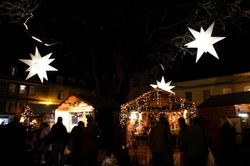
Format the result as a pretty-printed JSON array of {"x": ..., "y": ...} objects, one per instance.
[
  {"x": 39, "y": 65},
  {"x": 204, "y": 42},
  {"x": 163, "y": 85}
]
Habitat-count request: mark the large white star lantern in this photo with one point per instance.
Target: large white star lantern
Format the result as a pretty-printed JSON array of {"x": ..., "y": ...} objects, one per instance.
[
  {"x": 163, "y": 85},
  {"x": 204, "y": 42},
  {"x": 39, "y": 65}
]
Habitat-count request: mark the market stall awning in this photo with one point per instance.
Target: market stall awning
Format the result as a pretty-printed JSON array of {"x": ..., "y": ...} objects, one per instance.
[
  {"x": 96, "y": 102},
  {"x": 226, "y": 99},
  {"x": 42, "y": 108}
]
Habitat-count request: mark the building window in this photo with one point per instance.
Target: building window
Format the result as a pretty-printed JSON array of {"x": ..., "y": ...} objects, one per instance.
[
  {"x": 71, "y": 81},
  {"x": 82, "y": 83},
  {"x": 12, "y": 88},
  {"x": 147, "y": 79},
  {"x": 22, "y": 89},
  {"x": 60, "y": 95},
  {"x": 226, "y": 90},
  {"x": 9, "y": 106},
  {"x": 13, "y": 70},
  {"x": 59, "y": 79},
  {"x": 206, "y": 94},
  {"x": 189, "y": 96},
  {"x": 247, "y": 88},
  {"x": 136, "y": 81},
  {"x": 32, "y": 90},
  {"x": 20, "y": 105}
]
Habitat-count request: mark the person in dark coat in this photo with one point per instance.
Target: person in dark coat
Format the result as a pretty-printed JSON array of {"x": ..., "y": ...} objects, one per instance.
[
  {"x": 14, "y": 141},
  {"x": 195, "y": 144},
  {"x": 59, "y": 136},
  {"x": 90, "y": 138},
  {"x": 159, "y": 141},
  {"x": 180, "y": 136},
  {"x": 228, "y": 143},
  {"x": 77, "y": 144}
]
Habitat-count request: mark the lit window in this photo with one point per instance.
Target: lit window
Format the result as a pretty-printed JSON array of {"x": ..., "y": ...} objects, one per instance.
[
  {"x": 12, "y": 88},
  {"x": 247, "y": 88},
  {"x": 32, "y": 90},
  {"x": 189, "y": 96},
  {"x": 226, "y": 90},
  {"x": 206, "y": 94},
  {"x": 60, "y": 95},
  {"x": 13, "y": 71},
  {"x": 22, "y": 89},
  {"x": 59, "y": 79}
]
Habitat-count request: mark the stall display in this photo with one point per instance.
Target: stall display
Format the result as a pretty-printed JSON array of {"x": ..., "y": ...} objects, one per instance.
[
  {"x": 138, "y": 115},
  {"x": 73, "y": 110}
]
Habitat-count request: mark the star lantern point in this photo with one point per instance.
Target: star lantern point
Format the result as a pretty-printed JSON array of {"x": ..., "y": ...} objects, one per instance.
[
  {"x": 204, "y": 41},
  {"x": 163, "y": 85},
  {"x": 39, "y": 65}
]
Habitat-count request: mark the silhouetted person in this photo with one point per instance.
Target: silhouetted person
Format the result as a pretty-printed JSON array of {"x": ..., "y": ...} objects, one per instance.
[
  {"x": 180, "y": 136},
  {"x": 90, "y": 138},
  {"x": 14, "y": 141},
  {"x": 159, "y": 141},
  {"x": 228, "y": 143},
  {"x": 196, "y": 142},
  {"x": 59, "y": 136},
  {"x": 44, "y": 149},
  {"x": 77, "y": 144}
]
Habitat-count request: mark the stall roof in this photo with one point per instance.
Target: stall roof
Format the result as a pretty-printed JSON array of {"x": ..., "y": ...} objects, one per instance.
[
  {"x": 96, "y": 102},
  {"x": 226, "y": 99},
  {"x": 42, "y": 108},
  {"x": 158, "y": 90}
]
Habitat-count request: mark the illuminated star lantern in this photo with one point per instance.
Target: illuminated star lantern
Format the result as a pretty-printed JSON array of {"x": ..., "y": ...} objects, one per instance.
[
  {"x": 39, "y": 65},
  {"x": 163, "y": 85},
  {"x": 204, "y": 42}
]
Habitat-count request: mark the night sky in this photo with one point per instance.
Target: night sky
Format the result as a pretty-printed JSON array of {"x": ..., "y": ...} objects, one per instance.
[{"x": 101, "y": 24}]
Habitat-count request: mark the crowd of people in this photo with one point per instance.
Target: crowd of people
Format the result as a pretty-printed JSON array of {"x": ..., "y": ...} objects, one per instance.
[
  {"x": 52, "y": 143},
  {"x": 85, "y": 141},
  {"x": 192, "y": 143}
]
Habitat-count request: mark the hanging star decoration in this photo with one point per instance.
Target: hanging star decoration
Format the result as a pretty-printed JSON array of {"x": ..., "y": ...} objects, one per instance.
[
  {"x": 39, "y": 65},
  {"x": 163, "y": 85},
  {"x": 204, "y": 42}
]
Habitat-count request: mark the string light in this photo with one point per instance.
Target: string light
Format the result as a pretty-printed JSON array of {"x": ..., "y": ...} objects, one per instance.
[{"x": 162, "y": 101}]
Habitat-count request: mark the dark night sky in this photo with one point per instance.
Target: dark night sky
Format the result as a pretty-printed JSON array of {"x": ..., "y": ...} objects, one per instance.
[{"x": 233, "y": 51}]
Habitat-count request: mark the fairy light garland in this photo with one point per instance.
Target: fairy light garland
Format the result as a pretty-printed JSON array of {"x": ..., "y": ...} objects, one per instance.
[{"x": 157, "y": 95}]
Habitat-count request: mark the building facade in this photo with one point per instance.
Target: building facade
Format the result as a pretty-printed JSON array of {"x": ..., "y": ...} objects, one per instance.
[
  {"x": 16, "y": 93},
  {"x": 194, "y": 90}
]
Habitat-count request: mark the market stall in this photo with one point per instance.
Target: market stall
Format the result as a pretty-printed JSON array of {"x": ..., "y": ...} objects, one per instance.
[
  {"x": 77, "y": 107},
  {"x": 138, "y": 115},
  {"x": 73, "y": 110},
  {"x": 236, "y": 106}
]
